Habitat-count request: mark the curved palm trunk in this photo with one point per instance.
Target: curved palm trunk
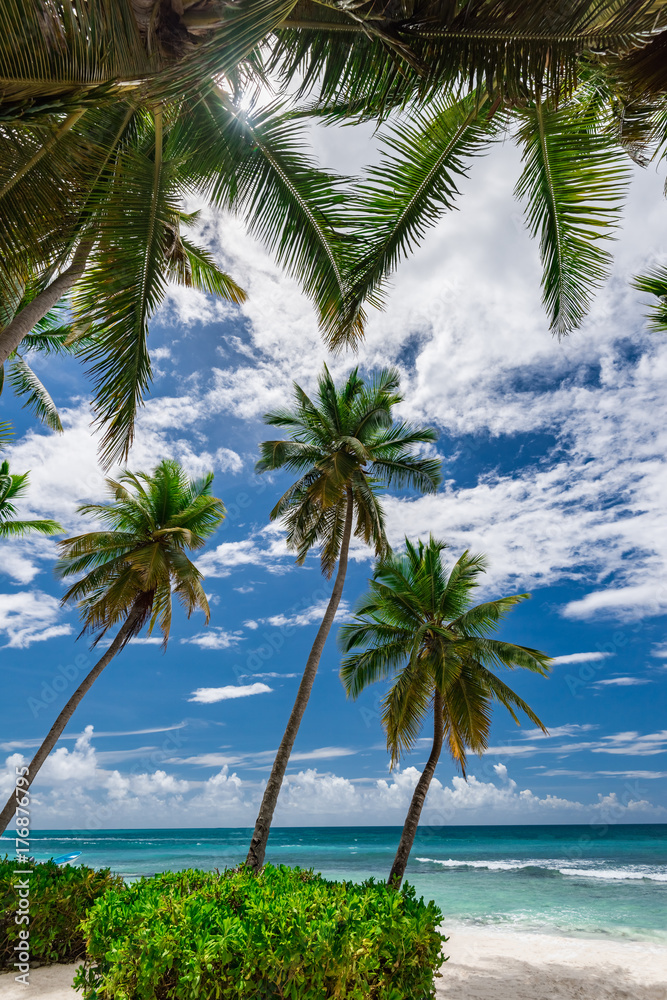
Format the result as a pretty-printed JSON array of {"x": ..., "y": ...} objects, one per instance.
[
  {"x": 418, "y": 798},
  {"x": 58, "y": 726},
  {"x": 262, "y": 829},
  {"x": 34, "y": 311}
]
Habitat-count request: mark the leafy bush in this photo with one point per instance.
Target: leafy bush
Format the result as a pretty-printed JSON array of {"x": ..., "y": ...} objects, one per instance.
[
  {"x": 59, "y": 899},
  {"x": 284, "y": 933}
]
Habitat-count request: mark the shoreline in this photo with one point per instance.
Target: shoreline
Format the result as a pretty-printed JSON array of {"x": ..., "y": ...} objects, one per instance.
[{"x": 486, "y": 965}]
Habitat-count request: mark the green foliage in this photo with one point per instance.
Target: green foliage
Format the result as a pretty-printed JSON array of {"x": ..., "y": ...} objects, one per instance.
[
  {"x": 59, "y": 899},
  {"x": 344, "y": 445},
  {"x": 655, "y": 283},
  {"x": 573, "y": 185},
  {"x": 139, "y": 561},
  {"x": 418, "y": 628},
  {"x": 13, "y": 488},
  {"x": 284, "y": 933}
]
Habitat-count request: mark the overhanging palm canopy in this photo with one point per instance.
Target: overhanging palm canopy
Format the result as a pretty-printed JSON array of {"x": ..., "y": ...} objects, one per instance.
[{"x": 72, "y": 51}]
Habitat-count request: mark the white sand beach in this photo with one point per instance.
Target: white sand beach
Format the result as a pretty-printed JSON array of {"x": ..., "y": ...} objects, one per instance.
[
  {"x": 496, "y": 965},
  {"x": 486, "y": 965}
]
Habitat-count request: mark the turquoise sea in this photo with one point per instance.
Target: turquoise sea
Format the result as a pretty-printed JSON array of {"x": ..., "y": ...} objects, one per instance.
[{"x": 571, "y": 880}]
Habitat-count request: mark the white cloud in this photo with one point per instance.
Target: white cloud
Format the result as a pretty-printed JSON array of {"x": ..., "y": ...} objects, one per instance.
[
  {"x": 308, "y": 616},
  {"x": 619, "y": 601},
  {"x": 227, "y": 556},
  {"x": 634, "y": 775},
  {"x": 579, "y": 658},
  {"x": 214, "y": 638},
  {"x": 273, "y": 674},
  {"x": 633, "y": 744},
  {"x": 622, "y": 682},
  {"x": 207, "y": 696},
  {"x": 76, "y": 790},
  {"x": 569, "y": 729},
  {"x": 30, "y": 616}
]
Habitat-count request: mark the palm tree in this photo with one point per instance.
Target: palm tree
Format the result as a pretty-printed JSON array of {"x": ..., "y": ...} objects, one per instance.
[
  {"x": 132, "y": 567},
  {"x": 417, "y": 627},
  {"x": 53, "y": 335},
  {"x": 13, "y": 488},
  {"x": 344, "y": 445}
]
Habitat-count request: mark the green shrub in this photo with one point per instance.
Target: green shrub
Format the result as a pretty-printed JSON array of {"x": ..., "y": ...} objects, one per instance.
[
  {"x": 284, "y": 933},
  {"x": 59, "y": 899}
]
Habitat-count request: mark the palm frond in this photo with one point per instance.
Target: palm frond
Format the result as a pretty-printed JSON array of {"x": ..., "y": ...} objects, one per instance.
[
  {"x": 291, "y": 205},
  {"x": 654, "y": 282},
  {"x": 26, "y": 384},
  {"x": 422, "y": 161},
  {"x": 573, "y": 185}
]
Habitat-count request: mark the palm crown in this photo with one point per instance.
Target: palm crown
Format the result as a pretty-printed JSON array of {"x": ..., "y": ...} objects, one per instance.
[
  {"x": 417, "y": 626},
  {"x": 344, "y": 445},
  {"x": 133, "y": 566}
]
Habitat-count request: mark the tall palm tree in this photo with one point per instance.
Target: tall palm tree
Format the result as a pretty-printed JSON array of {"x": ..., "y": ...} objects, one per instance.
[
  {"x": 131, "y": 568},
  {"x": 12, "y": 488},
  {"x": 418, "y": 628},
  {"x": 344, "y": 445}
]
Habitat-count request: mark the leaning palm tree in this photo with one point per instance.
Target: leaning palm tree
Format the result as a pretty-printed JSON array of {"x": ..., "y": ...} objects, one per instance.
[
  {"x": 13, "y": 488},
  {"x": 344, "y": 445},
  {"x": 131, "y": 568},
  {"x": 417, "y": 627}
]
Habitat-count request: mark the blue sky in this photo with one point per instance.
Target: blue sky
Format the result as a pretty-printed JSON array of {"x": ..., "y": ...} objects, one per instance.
[{"x": 554, "y": 466}]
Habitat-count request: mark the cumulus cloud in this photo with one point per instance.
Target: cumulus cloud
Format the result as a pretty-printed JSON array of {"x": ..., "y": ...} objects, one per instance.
[
  {"x": 213, "y": 638},
  {"x": 77, "y": 790},
  {"x": 254, "y": 551},
  {"x": 308, "y": 616},
  {"x": 30, "y": 616},
  {"x": 208, "y": 696}
]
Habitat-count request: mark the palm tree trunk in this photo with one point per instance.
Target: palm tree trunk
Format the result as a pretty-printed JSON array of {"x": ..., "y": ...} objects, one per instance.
[
  {"x": 58, "y": 726},
  {"x": 34, "y": 311},
  {"x": 418, "y": 798},
  {"x": 260, "y": 836}
]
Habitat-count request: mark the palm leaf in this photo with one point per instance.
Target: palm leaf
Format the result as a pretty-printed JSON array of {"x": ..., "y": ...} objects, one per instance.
[
  {"x": 573, "y": 184},
  {"x": 26, "y": 384},
  {"x": 422, "y": 160},
  {"x": 654, "y": 282}
]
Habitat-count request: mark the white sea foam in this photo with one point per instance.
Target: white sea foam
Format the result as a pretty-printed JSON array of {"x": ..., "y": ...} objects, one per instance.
[{"x": 612, "y": 874}]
